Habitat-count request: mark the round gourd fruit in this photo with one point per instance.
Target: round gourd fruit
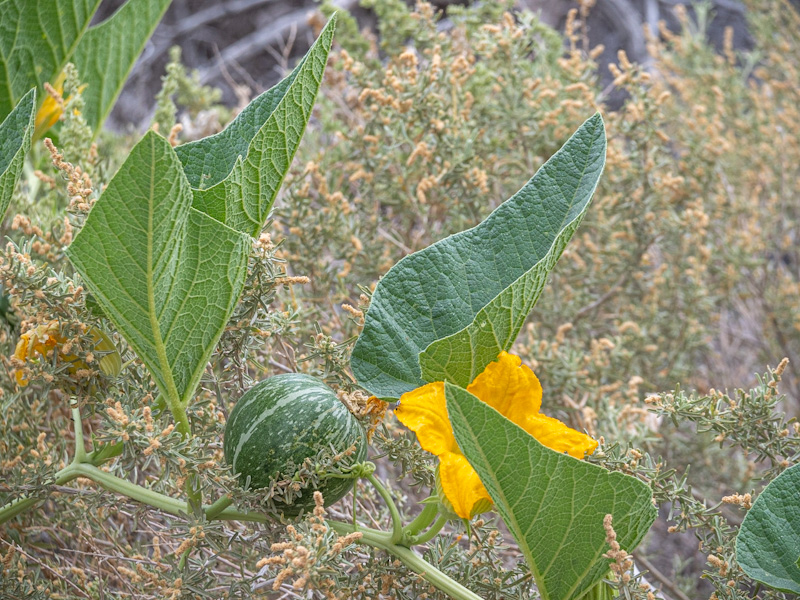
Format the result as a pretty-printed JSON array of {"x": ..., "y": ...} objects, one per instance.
[{"x": 284, "y": 420}]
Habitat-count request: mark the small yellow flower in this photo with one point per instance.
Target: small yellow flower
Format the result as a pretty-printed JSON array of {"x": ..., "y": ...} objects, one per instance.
[
  {"x": 43, "y": 339},
  {"x": 50, "y": 111},
  {"x": 507, "y": 386},
  {"x": 53, "y": 106}
]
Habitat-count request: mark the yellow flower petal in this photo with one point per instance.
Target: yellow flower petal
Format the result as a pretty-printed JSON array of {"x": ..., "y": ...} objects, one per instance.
[
  {"x": 556, "y": 435},
  {"x": 50, "y": 111},
  {"x": 461, "y": 485},
  {"x": 21, "y": 354},
  {"x": 509, "y": 387},
  {"x": 46, "y": 116},
  {"x": 424, "y": 411}
]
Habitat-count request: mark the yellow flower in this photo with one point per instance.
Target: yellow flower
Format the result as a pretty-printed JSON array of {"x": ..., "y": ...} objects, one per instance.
[
  {"x": 50, "y": 111},
  {"x": 507, "y": 386},
  {"x": 52, "y": 106},
  {"x": 43, "y": 339}
]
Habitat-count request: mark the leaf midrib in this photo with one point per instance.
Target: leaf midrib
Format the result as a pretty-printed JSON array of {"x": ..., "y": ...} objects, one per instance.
[
  {"x": 511, "y": 522},
  {"x": 158, "y": 342}
]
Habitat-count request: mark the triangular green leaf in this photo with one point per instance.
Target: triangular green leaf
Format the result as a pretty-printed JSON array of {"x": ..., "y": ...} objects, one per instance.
[
  {"x": 552, "y": 504},
  {"x": 107, "y": 52},
  {"x": 208, "y": 161},
  {"x": 445, "y": 312},
  {"x": 167, "y": 275},
  {"x": 238, "y": 172},
  {"x": 15, "y": 141},
  {"x": 37, "y": 38},
  {"x": 768, "y": 543}
]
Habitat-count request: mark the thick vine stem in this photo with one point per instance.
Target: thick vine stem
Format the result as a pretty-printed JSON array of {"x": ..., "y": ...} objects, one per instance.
[
  {"x": 218, "y": 506},
  {"x": 80, "y": 450},
  {"x": 105, "y": 480},
  {"x": 397, "y": 522},
  {"x": 178, "y": 410},
  {"x": 431, "y": 533},
  {"x": 423, "y": 520}
]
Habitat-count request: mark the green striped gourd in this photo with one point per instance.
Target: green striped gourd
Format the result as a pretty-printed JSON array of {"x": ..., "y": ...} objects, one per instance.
[{"x": 287, "y": 419}]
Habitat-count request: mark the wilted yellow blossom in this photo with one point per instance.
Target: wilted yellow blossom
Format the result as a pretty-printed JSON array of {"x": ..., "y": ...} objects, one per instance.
[{"x": 43, "y": 339}]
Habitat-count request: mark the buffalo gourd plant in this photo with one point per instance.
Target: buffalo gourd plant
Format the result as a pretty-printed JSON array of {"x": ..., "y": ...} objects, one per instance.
[{"x": 164, "y": 251}]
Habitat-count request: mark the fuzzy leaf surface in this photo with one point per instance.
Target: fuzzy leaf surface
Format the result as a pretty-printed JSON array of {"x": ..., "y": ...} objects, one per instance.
[
  {"x": 553, "y": 504},
  {"x": 208, "y": 161},
  {"x": 15, "y": 141},
  {"x": 37, "y": 38},
  {"x": 768, "y": 542},
  {"x": 167, "y": 275},
  {"x": 107, "y": 52},
  {"x": 237, "y": 173},
  {"x": 445, "y": 312}
]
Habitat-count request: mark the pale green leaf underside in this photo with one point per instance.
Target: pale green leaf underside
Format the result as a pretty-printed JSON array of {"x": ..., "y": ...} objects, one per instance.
[
  {"x": 15, "y": 141},
  {"x": 167, "y": 275},
  {"x": 238, "y": 172},
  {"x": 107, "y": 52},
  {"x": 553, "y": 504},
  {"x": 445, "y": 312},
  {"x": 37, "y": 37},
  {"x": 768, "y": 543}
]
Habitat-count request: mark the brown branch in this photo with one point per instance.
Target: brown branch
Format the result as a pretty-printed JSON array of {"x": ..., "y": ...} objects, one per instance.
[
  {"x": 674, "y": 592},
  {"x": 250, "y": 45}
]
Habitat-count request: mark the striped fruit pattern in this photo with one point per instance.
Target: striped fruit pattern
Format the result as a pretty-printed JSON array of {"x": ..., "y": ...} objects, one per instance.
[{"x": 287, "y": 419}]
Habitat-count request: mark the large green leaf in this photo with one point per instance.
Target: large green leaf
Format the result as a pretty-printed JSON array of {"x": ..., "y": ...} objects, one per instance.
[
  {"x": 108, "y": 51},
  {"x": 447, "y": 311},
  {"x": 37, "y": 37},
  {"x": 167, "y": 275},
  {"x": 238, "y": 172},
  {"x": 15, "y": 140},
  {"x": 553, "y": 504},
  {"x": 208, "y": 161},
  {"x": 768, "y": 543}
]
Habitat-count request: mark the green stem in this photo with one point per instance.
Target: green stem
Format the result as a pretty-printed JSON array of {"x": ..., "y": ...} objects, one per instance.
[
  {"x": 170, "y": 390},
  {"x": 20, "y": 505},
  {"x": 136, "y": 492},
  {"x": 397, "y": 522},
  {"x": 431, "y": 533},
  {"x": 15, "y": 507},
  {"x": 96, "y": 458},
  {"x": 105, "y": 480},
  {"x": 218, "y": 506},
  {"x": 355, "y": 502},
  {"x": 80, "y": 450},
  {"x": 423, "y": 520},
  {"x": 383, "y": 541}
]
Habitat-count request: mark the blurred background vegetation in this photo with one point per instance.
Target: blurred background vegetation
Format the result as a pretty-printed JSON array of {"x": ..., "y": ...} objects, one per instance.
[{"x": 685, "y": 274}]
